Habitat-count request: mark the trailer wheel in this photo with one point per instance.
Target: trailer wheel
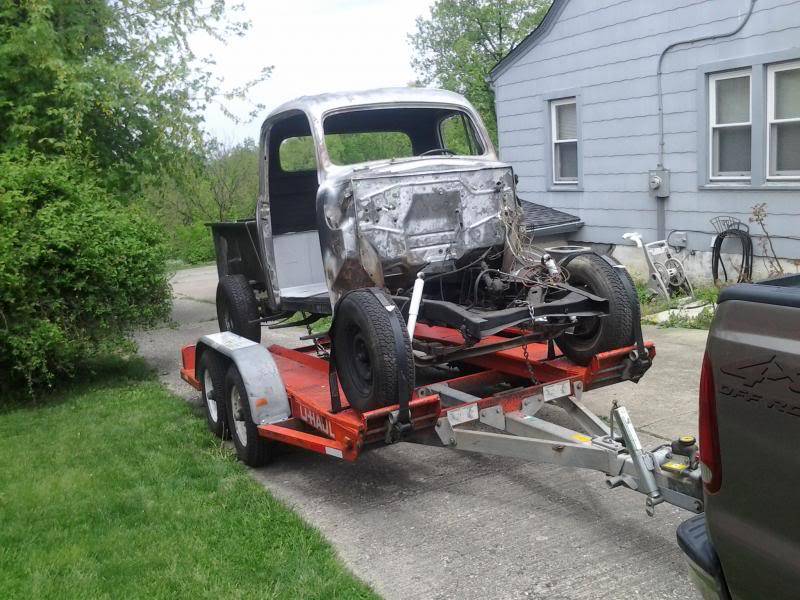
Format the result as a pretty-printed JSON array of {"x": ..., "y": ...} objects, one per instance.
[
  {"x": 594, "y": 335},
  {"x": 237, "y": 309},
  {"x": 251, "y": 448},
  {"x": 372, "y": 354},
  {"x": 211, "y": 375}
]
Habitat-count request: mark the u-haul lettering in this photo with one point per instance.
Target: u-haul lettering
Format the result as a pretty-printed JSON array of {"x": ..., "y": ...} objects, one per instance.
[{"x": 315, "y": 420}]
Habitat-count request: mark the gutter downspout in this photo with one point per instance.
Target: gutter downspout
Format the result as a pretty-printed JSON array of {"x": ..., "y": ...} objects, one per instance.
[{"x": 661, "y": 211}]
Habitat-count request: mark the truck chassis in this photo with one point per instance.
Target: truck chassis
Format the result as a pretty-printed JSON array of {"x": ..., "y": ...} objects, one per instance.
[{"x": 494, "y": 409}]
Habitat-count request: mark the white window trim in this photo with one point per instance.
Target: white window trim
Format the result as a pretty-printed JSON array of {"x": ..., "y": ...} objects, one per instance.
[
  {"x": 771, "y": 120},
  {"x": 556, "y": 140},
  {"x": 712, "y": 120}
]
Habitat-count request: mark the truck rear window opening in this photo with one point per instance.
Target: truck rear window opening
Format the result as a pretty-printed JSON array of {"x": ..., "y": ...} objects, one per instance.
[
  {"x": 297, "y": 153},
  {"x": 365, "y": 135}
]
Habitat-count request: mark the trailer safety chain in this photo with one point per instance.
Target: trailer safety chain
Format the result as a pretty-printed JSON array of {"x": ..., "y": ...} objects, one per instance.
[
  {"x": 318, "y": 347},
  {"x": 614, "y": 406},
  {"x": 528, "y": 364}
]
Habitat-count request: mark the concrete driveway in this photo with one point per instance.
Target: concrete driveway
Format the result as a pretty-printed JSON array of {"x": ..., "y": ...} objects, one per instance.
[{"x": 420, "y": 522}]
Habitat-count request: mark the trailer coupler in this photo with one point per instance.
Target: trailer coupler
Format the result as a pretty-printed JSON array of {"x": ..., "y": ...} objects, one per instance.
[{"x": 667, "y": 473}]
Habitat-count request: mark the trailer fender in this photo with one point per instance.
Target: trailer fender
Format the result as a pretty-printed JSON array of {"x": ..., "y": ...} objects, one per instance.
[{"x": 265, "y": 390}]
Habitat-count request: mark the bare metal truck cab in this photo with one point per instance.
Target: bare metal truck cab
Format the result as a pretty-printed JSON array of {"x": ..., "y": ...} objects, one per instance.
[
  {"x": 747, "y": 544},
  {"x": 396, "y": 197}
]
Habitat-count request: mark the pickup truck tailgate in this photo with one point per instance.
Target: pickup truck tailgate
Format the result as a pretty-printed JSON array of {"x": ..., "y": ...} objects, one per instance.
[{"x": 753, "y": 520}]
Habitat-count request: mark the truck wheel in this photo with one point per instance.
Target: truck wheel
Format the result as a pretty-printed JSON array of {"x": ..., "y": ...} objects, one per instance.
[
  {"x": 372, "y": 354},
  {"x": 251, "y": 448},
  {"x": 594, "y": 335},
  {"x": 237, "y": 309},
  {"x": 211, "y": 375}
]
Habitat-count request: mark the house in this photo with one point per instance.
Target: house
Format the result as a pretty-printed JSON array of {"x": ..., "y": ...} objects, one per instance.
[{"x": 655, "y": 116}]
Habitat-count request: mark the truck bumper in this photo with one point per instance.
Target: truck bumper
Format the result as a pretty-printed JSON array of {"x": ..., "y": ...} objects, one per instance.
[{"x": 705, "y": 570}]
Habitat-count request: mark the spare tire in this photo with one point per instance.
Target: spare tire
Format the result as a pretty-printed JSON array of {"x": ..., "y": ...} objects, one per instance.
[
  {"x": 372, "y": 351},
  {"x": 237, "y": 309},
  {"x": 591, "y": 336}
]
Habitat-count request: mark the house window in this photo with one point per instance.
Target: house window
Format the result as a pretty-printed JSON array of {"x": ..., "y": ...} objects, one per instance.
[
  {"x": 731, "y": 124},
  {"x": 564, "y": 128},
  {"x": 783, "y": 121}
]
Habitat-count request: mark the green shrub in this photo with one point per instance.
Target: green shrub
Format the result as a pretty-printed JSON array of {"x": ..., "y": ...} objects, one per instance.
[
  {"x": 78, "y": 271},
  {"x": 192, "y": 244}
]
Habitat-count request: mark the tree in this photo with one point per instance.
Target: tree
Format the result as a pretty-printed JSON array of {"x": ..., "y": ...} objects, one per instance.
[
  {"x": 99, "y": 101},
  {"x": 457, "y": 46},
  {"x": 112, "y": 81},
  {"x": 233, "y": 179}
]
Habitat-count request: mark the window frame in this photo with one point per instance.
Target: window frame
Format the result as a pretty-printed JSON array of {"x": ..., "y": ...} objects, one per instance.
[
  {"x": 554, "y": 140},
  {"x": 759, "y": 64},
  {"x": 313, "y": 154},
  {"x": 713, "y": 126},
  {"x": 473, "y": 138},
  {"x": 771, "y": 120}
]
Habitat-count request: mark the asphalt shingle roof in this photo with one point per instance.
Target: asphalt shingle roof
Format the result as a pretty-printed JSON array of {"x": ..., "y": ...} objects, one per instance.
[{"x": 537, "y": 216}]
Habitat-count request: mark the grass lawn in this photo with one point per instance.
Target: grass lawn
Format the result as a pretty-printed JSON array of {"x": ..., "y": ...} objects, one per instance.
[{"x": 118, "y": 490}]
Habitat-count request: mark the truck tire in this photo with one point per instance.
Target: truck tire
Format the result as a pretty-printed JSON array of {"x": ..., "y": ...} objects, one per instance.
[
  {"x": 237, "y": 309},
  {"x": 592, "y": 336},
  {"x": 251, "y": 448},
  {"x": 211, "y": 375},
  {"x": 372, "y": 371}
]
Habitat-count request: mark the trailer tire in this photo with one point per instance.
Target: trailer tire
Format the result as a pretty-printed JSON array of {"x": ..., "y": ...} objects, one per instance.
[
  {"x": 593, "y": 274},
  {"x": 211, "y": 375},
  {"x": 251, "y": 448},
  {"x": 237, "y": 309},
  {"x": 367, "y": 359}
]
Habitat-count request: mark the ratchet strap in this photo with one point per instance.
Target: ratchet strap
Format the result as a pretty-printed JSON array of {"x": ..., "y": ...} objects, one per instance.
[
  {"x": 399, "y": 334},
  {"x": 333, "y": 378},
  {"x": 400, "y": 423}
]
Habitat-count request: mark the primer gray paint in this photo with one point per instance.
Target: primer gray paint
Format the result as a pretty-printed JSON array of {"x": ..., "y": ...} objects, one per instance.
[{"x": 606, "y": 51}]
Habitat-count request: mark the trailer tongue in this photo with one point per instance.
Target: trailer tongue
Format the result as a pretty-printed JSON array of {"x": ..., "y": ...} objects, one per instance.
[{"x": 497, "y": 408}]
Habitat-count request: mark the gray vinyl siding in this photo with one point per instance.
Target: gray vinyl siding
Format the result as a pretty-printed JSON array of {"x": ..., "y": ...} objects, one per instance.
[{"x": 608, "y": 50}]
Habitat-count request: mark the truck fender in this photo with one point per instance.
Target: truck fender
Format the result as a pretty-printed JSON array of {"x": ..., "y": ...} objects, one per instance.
[{"x": 265, "y": 390}]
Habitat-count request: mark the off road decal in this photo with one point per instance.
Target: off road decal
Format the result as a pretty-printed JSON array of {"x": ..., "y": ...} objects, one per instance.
[
  {"x": 753, "y": 373},
  {"x": 760, "y": 382}
]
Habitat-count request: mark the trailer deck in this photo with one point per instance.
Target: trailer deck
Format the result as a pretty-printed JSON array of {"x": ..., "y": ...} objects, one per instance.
[
  {"x": 492, "y": 410},
  {"x": 502, "y": 378}
]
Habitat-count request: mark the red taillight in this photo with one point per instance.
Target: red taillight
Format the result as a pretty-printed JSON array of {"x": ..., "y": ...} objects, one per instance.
[{"x": 710, "y": 458}]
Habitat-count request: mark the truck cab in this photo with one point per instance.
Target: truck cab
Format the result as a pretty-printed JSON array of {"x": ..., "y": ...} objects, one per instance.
[{"x": 323, "y": 222}]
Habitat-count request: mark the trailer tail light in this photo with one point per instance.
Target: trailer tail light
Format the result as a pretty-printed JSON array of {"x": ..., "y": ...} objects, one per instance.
[{"x": 710, "y": 458}]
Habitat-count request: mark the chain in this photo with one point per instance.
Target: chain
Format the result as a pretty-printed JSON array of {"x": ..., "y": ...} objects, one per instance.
[
  {"x": 528, "y": 364},
  {"x": 320, "y": 349},
  {"x": 614, "y": 406}
]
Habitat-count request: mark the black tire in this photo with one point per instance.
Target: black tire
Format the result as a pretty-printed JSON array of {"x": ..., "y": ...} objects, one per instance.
[
  {"x": 251, "y": 448},
  {"x": 592, "y": 336},
  {"x": 237, "y": 309},
  {"x": 372, "y": 371},
  {"x": 211, "y": 375}
]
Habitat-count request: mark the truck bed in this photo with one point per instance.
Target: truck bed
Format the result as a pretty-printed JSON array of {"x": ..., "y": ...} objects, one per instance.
[{"x": 754, "y": 353}]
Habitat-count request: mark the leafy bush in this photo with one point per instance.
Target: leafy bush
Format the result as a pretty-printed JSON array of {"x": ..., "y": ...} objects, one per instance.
[
  {"x": 77, "y": 270},
  {"x": 702, "y": 320},
  {"x": 192, "y": 244}
]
